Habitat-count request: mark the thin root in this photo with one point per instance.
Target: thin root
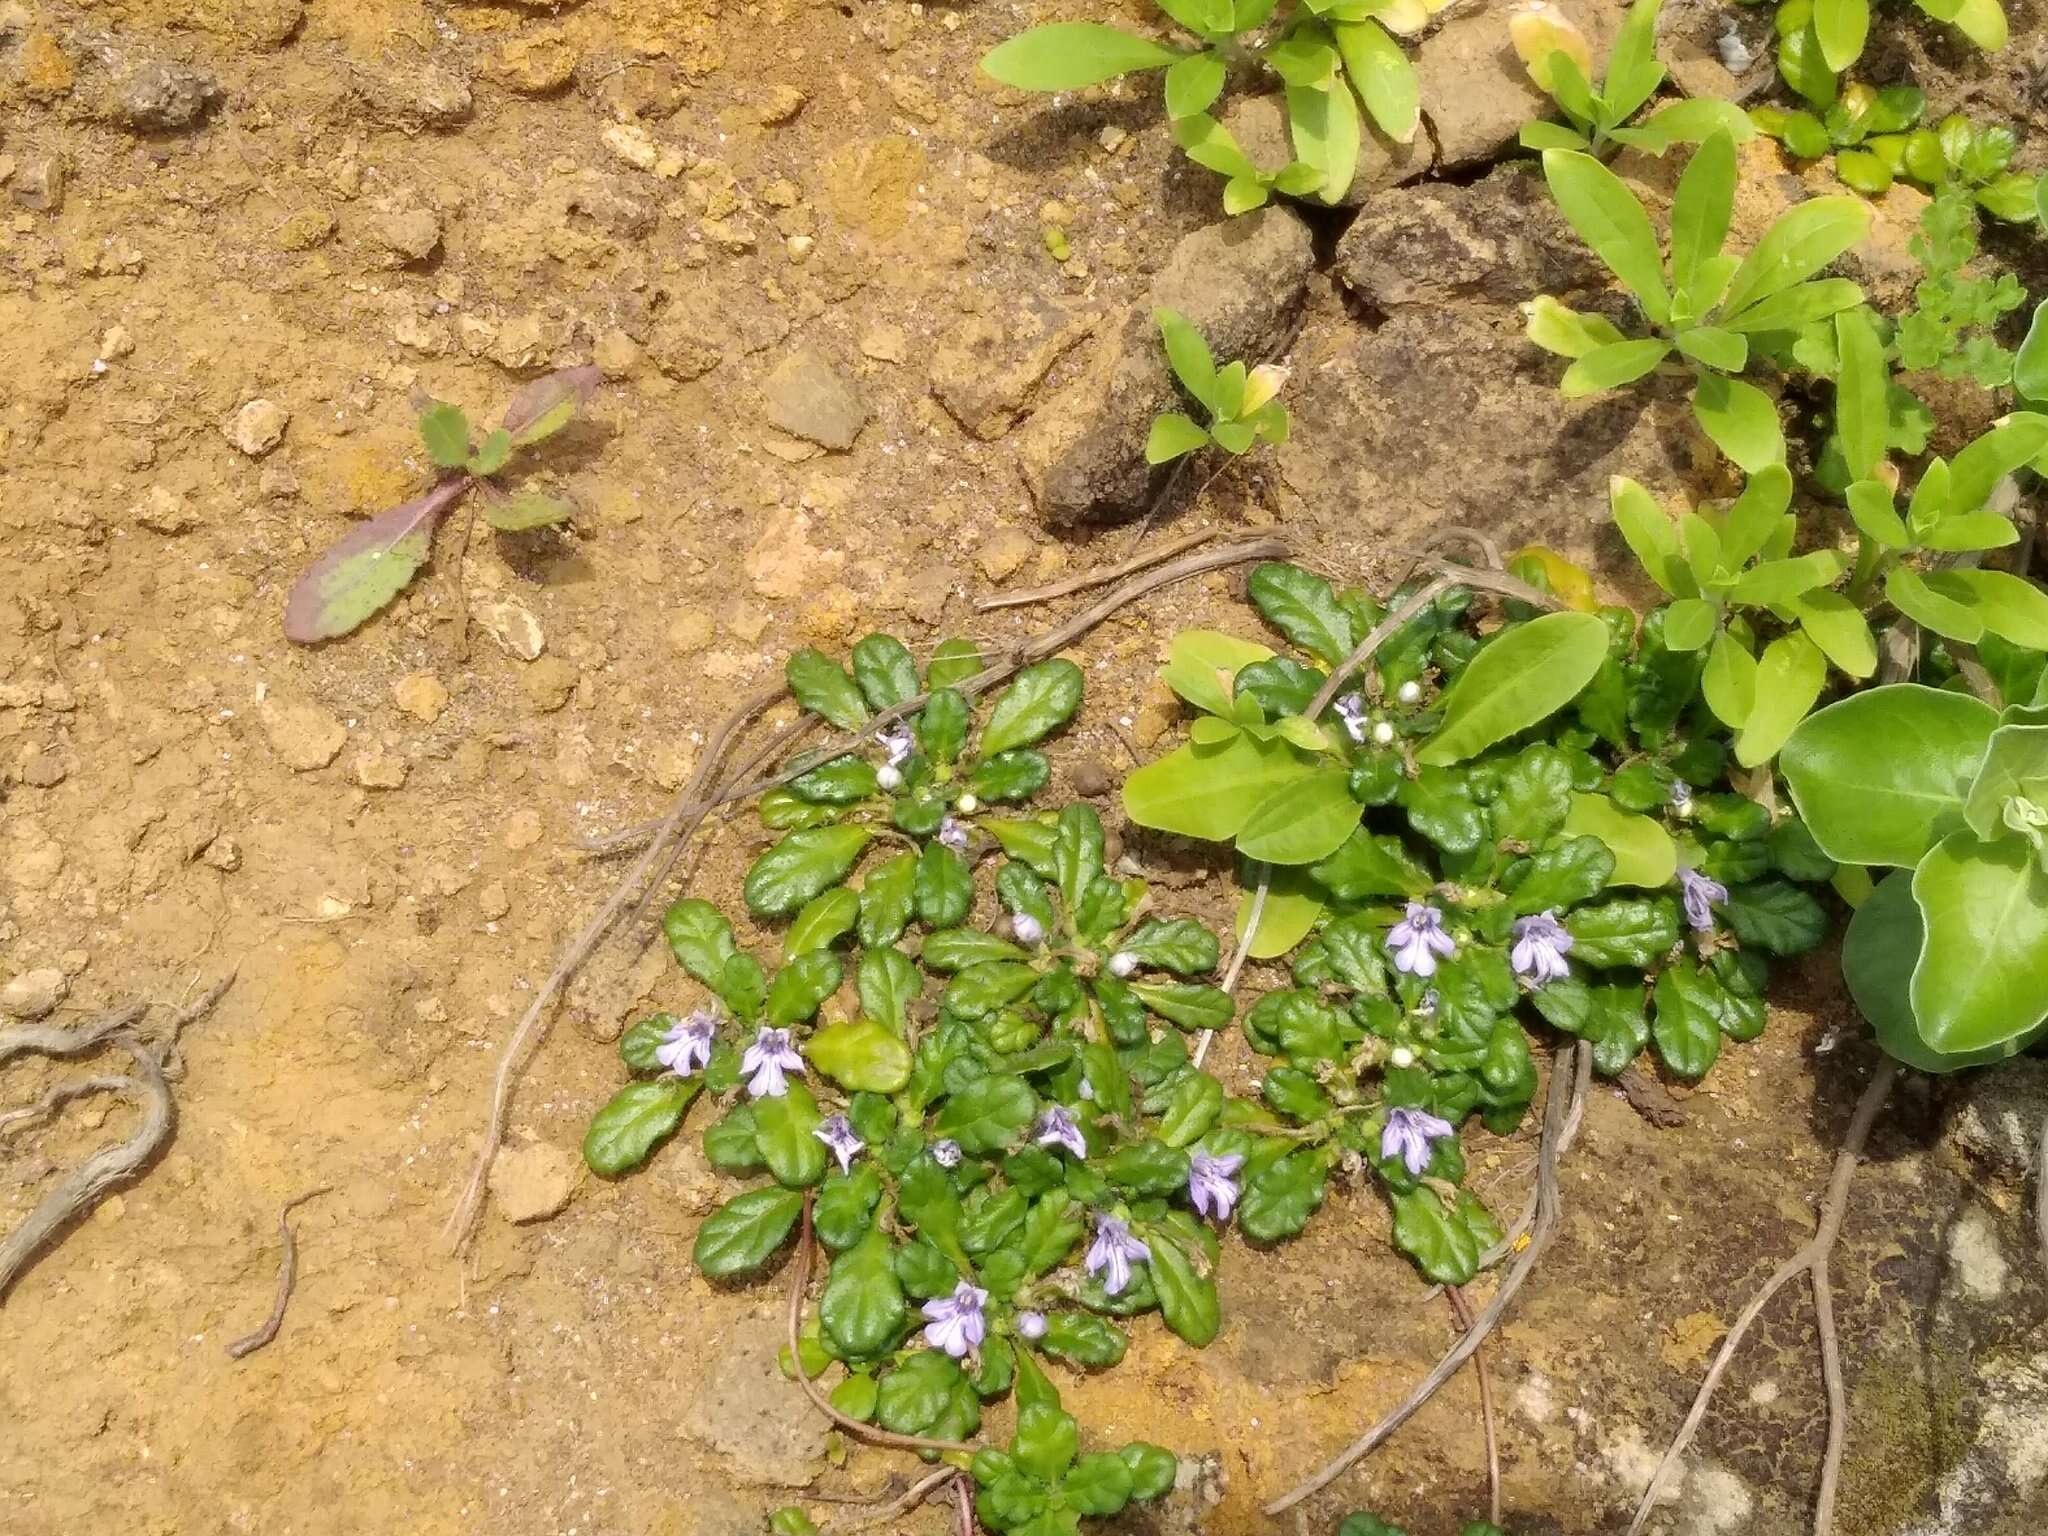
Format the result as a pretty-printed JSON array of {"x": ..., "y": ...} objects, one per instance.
[
  {"x": 287, "y": 1270},
  {"x": 1101, "y": 578},
  {"x": 1809, "y": 1260},
  {"x": 1561, "y": 1110},
  {"x": 1462, "y": 1310}
]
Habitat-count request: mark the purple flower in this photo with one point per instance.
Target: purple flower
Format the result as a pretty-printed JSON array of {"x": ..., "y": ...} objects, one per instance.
[
  {"x": 1112, "y": 1253},
  {"x": 1541, "y": 944},
  {"x": 1701, "y": 894},
  {"x": 767, "y": 1059},
  {"x": 1031, "y": 1326},
  {"x": 1212, "y": 1183},
  {"x": 687, "y": 1045},
  {"x": 1058, "y": 1128},
  {"x": 1027, "y": 929},
  {"x": 1409, "y": 1135},
  {"x": 840, "y": 1140},
  {"x": 946, "y": 1153},
  {"x": 1418, "y": 939},
  {"x": 953, "y": 834},
  {"x": 956, "y": 1325},
  {"x": 898, "y": 743},
  {"x": 1351, "y": 710}
]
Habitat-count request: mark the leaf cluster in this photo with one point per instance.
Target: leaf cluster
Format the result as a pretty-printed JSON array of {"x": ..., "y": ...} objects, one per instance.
[
  {"x": 1239, "y": 403},
  {"x": 1559, "y": 60}
]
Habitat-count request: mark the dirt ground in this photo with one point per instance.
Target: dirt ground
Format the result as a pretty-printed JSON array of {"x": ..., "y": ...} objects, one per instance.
[{"x": 378, "y": 837}]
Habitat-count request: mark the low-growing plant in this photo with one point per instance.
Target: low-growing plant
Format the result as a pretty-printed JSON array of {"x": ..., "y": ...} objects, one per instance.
[
  {"x": 1240, "y": 403},
  {"x": 1330, "y": 56},
  {"x": 1948, "y": 955},
  {"x": 1482, "y": 833},
  {"x": 376, "y": 560},
  {"x": 1820, "y": 39},
  {"x": 1363, "y": 1524},
  {"x": 1876, "y": 140},
  {"x": 1713, "y": 306},
  {"x": 1560, "y": 60}
]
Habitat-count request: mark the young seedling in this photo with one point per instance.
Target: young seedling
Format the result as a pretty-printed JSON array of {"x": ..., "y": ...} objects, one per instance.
[
  {"x": 1560, "y": 61},
  {"x": 1712, "y": 305},
  {"x": 1330, "y": 56},
  {"x": 1819, "y": 39},
  {"x": 1240, "y": 403},
  {"x": 374, "y": 562},
  {"x": 1867, "y": 130}
]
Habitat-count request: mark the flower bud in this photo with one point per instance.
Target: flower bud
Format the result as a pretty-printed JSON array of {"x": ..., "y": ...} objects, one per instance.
[
  {"x": 1122, "y": 963},
  {"x": 1409, "y": 692},
  {"x": 967, "y": 805},
  {"x": 1382, "y": 734},
  {"x": 1031, "y": 1326},
  {"x": 888, "y": 777},
  {"x": 1027, "y": 929},
  {"x": 1402, "y": 1056}
]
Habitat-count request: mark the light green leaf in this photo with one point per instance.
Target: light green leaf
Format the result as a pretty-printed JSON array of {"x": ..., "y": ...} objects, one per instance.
[
  {"x": 1687, "y": 122},
  {"x": 1862, "y": 410},
  {"x": 1964, "y": 531},
  {"x": 1788, "y": 679},
  {"x": 1301, "y": 822},
  {"x": 1798, "y": 306},
  {"x": 1194, "y": 83},
  {"x": 1291, "y": 908},
  {"x": 1838, "y": 627},
  {"x": 1189, "y": 357},
  {"x": 1689, "y": 624},
  {"x": 1879, "y": 952},
  {"x": 1171, "y": 436},
  {"x": 1324, "y": 125},
  {"x": 524, "y": 510},
  {"x": 1799, "y": 244},
  {"x": 1877, "y": 776},
  {"x": 1779, "y": 581},
  {"x": 1611, "y": 366},
  {"x": 1570, "y": 333},
  {"x": 2009, "y": 606},
  {"x": 1600, "y": 207},
  {"x": 446, "y": 433},
  {"x": 1712, "y": 347},
  {"x": 1068, "y": 55},
  {"x": 1644, "y": 854},
  {"x": 1982, "y": 979},
  {"x": 1701, "y": 208},
  {"x": 1633, "y": 73},
  {"x": 2015, "y": 763},
  {"x": 1914, "y": 596},
  {"x": 1524, "y": 675},
  {"x": 1203, "y": 663},
  {"x": 1841, "y": 26},
  {"x": 1382, "y": 75},
  {"x": 1209, "y": 791},
  {"x": 861, "y": 1055},
  {"x": 1650, "y": 536},
  {"x": 1729, "y": 681},
  {"x": 1870, "y": 504},
  {"x": 1741, "y": 419}
]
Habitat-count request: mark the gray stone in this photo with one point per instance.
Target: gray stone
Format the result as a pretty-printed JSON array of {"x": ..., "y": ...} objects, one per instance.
[
  {"x": 1240, "y": 283},
  {"x": 156, "y": 96},
  {"x": 808, "y": 398},
  {"x": 1500, "y": 240},
  {"x": 1259, "y": 124},
  {"x": 2001, "y": 1115},
  {"x": 32, "y": 994}
]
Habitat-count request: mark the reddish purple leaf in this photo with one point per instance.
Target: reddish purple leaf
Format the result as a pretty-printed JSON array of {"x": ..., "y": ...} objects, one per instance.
[
  {"x": 368, "y": 567},
  {"x": 545, "y": 406}
]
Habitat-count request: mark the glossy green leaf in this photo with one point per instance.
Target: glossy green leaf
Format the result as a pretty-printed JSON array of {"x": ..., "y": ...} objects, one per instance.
[
  {"x": 1687, "y": 1026},
  {"x": 1877, "y": 776},
  {"x": 783, "y": 1127},
  {"x": 862, "y": 1309},
  {"x": 988, "y": 1114},
  {"x": 1187, "y": 1296},
  {"x": 1041, "y": 699},
  {"x": 1879, "y": 953},
  {"x": 637, "y": 1119},
  {"x": 1304, "y": 608},
  {"x": 822, "y": 686},
  {"x": 1523, "y": 676},
  {"x": 884, "y": 671},
  {"x": 801, "y": 866},
  {"x": 739, "y": 1236}
]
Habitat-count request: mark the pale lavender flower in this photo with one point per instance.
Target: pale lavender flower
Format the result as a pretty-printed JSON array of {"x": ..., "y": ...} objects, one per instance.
[
  {"x": 957, "y": 1325},
  {"x": 1058, "y": 1128},
  {"x": 1212, "y": 1183},
  {"x": 1681, "y": 798},
  {"x": 1112, "y": 1253},
  {"x": 953, "y": 834},
  {"x": 1027, "y": 929},
  {"x": 1427, "y": 1004},
  {"x": 946, "y": 1153},
  {"x": 1541, "y": 944},
  {"x": 840, "y": 1140},
  {"x": 898, "y": 743},
  {"x": 1702, "y": 894},
  {"x": 686, "y": 1047},
  {"x": 767, "y": 1059},
  {"x": 1409, "y": 1135},
  {"x": 1351, "y": 710},
  {"x": 1031, "y": 1326},
  {"x": 1419, "y": 939},
  {"x": 1122, "y": 963}
]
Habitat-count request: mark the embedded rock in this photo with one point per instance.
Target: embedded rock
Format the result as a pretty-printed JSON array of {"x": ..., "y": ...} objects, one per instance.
[
  {"x": 987, "y": 369},
  {"x": 533, "y": 1183},
  {"x": 1241, "y": 284},
  {"x": 1475, "y": 92},
  {"x": 1499, "y": 240},
  {"x": 154, "y": 96},
  {"x": 32, "y": 994},
  {"x": 809, "y": 398}
]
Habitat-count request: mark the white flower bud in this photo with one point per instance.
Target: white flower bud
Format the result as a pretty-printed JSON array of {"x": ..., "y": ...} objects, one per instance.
[
  {"x": 1409, "y": 691},
  {"x": 888, "y": 777},
  {"x": 967, "y": 805},
  {"x": 1382, "y": 734},
  {"x": 1402, "y": 1056},
  {"x": 1122, "y": 963}
]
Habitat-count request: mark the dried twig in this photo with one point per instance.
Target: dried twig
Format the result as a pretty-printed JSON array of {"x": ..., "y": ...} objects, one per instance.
[
  {"x": 1098, "y": 578},
  {"x": 56, "y": 1040},
  {"x": 287, "y": 1270},
  {"x": 86, "y": 1185},
  {"x": 1461, "y": 1310},
  {"x": 690, "y": 810},
  {"x": 1243, "y": 949},
  {"x": 1573, "y": 1064},
  {"x": 799, "y": 1282},
  {"x": 58, "y": 1097},
  {"x": 1381, "y": 633},
  {"x": 966, "y": 1504},
  {"x": 908, "y": 1500},
  {"x": 1812, "y": 1259}
]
